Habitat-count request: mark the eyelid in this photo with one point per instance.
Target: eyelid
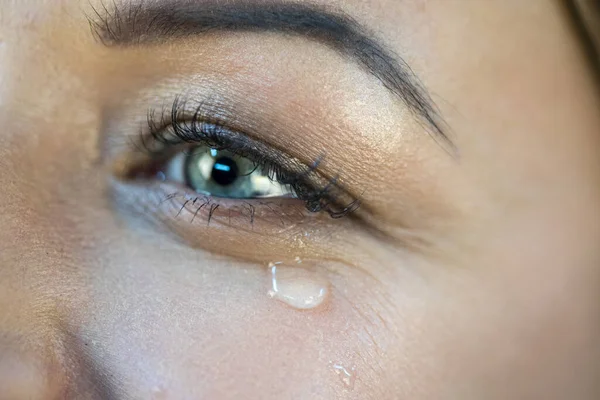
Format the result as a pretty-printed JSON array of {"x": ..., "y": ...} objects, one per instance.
[
  {"x": 182, "y": 126},
  {"x": 162, "y": 203},
  {"x": 197, "y": 220}
]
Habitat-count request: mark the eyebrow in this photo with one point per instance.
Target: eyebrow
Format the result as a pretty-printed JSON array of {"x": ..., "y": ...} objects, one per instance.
[{"x": 145, "y": 23}]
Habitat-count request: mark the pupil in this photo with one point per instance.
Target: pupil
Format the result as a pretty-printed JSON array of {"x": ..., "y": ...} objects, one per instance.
[{"x": 225, "y": 171}]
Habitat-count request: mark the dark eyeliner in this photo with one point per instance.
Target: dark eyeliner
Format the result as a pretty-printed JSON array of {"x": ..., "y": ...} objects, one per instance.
[{"x": 184, "y": 124}]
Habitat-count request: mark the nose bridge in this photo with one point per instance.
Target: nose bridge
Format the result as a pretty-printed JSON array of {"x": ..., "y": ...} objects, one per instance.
[
  {"x": 34, "y": 290},
  {"x": 34, "y": 263},
  {"x": 31, "y": 364},
  {"x": 45, "y": 122},
  {"x": 31, "y": 286},
  {"x": 22, "y": 376}
]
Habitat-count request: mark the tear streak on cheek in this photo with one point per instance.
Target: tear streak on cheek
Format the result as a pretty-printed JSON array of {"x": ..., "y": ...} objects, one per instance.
[{"x": 217, "y": 327}]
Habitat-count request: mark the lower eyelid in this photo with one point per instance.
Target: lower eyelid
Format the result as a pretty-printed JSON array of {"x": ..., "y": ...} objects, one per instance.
[
  {"x": 258, "y": 215},
  {"x": 254, "y": 229},
  {"x": 193, "y": 216}
]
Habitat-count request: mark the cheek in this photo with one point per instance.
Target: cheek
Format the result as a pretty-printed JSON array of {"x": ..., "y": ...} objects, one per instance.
[
  {"x": 521, "y": 317},
  {"x": 177, "y": 323}
]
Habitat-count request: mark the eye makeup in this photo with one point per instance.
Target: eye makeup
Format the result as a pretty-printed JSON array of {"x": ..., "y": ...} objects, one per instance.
[
  {"x": 350, "y": 155},
  {"x": 192, "y": 135},
  {"x": 155, "y": 175}
]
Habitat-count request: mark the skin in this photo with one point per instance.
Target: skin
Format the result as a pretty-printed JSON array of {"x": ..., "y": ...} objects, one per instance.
[{"x": 467, "y": 274}]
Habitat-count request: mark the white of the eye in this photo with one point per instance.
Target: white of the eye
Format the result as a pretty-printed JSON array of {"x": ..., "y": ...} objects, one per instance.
[
  {"x": 175, "y": 168},
  {"x": 175, "y": 172},
  {"x": 262, "y": 184}
]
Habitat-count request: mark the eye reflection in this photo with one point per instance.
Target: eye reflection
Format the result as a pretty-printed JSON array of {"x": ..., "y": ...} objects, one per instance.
[{"x": 220, "y": 173}]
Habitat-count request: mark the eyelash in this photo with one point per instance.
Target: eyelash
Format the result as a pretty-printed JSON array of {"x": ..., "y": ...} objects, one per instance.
[{"x": 170, "y": 130}]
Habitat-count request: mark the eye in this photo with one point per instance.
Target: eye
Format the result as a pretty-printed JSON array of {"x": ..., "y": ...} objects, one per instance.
[
  {"x": 220, "y": 173},
  {"x": 190, "y": 148}
]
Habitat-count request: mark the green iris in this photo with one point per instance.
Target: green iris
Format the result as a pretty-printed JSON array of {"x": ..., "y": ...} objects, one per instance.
[{"x": 221, "y": 173}]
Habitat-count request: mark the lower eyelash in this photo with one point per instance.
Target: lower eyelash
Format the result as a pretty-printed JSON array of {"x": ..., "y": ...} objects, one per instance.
[
  {"x": 246, "y": 209},
  {"x": 276, "y": 214},
  {"x": 306, "y": 183},
  {"x": 220, "y": 225}
]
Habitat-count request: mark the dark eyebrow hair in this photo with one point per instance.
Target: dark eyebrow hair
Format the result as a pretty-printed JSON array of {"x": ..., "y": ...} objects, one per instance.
[{"x": 151, "y": 22}]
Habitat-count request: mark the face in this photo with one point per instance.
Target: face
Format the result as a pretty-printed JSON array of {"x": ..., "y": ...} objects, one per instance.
[{"x": 337, "y": 200}]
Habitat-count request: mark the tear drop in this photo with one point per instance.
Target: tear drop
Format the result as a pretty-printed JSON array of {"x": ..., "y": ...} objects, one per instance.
[
  {"x": 297, "y": 286},
  {"x": 347, "y": 376}
]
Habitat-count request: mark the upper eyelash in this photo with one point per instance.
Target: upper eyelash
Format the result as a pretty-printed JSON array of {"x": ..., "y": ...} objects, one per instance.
[{"x": 179, "y": 126}]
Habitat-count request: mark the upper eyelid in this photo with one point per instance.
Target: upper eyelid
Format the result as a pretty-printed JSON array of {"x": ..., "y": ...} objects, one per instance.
[
  {"x": 233, "y": 136},
  {"x": 145, "y": 22},
  {"x": 202, "y": 113},
  {"x": 338, "y": 205}
]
